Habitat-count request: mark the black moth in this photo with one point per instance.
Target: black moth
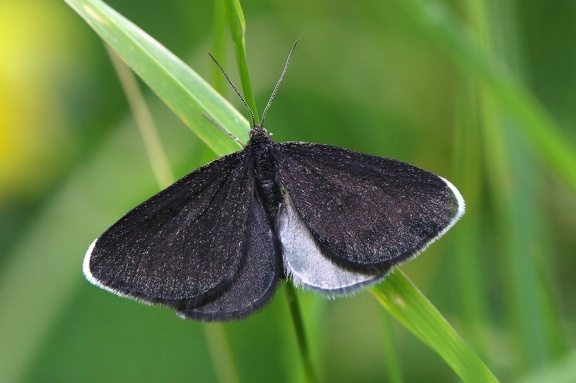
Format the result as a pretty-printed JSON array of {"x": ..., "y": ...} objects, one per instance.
[{"x": 214, "y": 245}]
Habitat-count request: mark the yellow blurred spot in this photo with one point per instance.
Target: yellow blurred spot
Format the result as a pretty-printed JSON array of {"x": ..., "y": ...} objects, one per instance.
[{"x": 36, "y": 42}]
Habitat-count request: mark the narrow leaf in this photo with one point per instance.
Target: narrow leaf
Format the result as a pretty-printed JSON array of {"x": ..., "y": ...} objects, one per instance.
[
  {"x": 182, "y": 89},
  {"x": 399, "y": 296}
]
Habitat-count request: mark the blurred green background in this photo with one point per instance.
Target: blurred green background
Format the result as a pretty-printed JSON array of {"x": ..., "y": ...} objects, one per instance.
[{"x": 379, "y": 77}]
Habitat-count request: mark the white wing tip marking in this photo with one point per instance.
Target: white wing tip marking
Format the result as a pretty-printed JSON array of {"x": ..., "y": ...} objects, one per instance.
[
  {"x": 86, "y": 265},
  {"x": 92, "y": 279},
  {"x": 459, "y": 214},
  {"x": 461, "y": 206}
]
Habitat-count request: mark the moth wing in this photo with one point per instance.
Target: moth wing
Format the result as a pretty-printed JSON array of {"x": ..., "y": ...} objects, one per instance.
[
  {"x": 184, "y": 244},
  {"x": 365, "y": 213},
  {"x": 308, "y": 264},
  {"x": 257, "y": 277}
]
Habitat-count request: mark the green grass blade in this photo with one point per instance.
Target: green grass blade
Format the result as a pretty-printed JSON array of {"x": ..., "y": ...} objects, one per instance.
[
  {"x": 182, "y": 89},
  {"x": 399, "y": 296},
  {"x": 296, "y": 313},
  {"x": 219, "y": 38},
  {"x": 237, "y": 25}
]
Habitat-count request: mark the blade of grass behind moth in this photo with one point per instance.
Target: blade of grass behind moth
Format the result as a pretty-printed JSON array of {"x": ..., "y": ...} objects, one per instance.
[
  {"x": 296, "y": 314},
  {"x": 220, "y": 354}
]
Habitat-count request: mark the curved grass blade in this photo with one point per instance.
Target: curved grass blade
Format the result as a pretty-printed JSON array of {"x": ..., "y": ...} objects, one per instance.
[
  {"x": 237, "y": 24},
  {"x": 399, "y": 296},
  {"x": 182, "y": 89}
]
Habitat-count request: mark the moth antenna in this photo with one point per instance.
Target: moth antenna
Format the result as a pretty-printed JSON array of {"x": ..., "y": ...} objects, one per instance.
[
  {"x": 278, "y": 83},
  {"x": 236, "y": 90},
  {"x": 216, "y": 124}
]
